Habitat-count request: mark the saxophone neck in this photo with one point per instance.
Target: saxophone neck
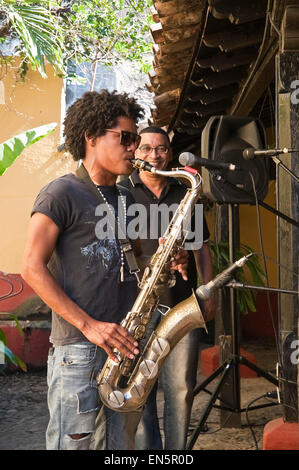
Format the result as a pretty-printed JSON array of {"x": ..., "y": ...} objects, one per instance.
[{"x": 187, "y": 174}]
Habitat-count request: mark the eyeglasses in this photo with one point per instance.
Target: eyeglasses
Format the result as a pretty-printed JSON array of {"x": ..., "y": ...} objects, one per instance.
[
  {"x": 147, "y": 149},
  {"x": 127, "y": 138}
]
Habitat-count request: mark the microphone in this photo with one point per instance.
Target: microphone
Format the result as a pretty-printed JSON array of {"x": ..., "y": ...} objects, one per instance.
[
  {"x": 250, "y": 153},
  {"x": 205, "y": 291},
  {"x": 189, "y": 159}
]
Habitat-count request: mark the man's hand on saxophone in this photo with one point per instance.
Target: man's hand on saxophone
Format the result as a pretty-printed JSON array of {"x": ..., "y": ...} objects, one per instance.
[
  {"x": 109, "y": 335},
  {"x": 179, "y": 262}
]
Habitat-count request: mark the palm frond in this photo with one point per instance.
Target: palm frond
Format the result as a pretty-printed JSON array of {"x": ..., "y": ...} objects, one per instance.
[{"x": 40, "y": 38}]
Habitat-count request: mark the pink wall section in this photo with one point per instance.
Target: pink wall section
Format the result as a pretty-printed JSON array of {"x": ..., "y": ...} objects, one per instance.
[{"x": 32, "y": 346}]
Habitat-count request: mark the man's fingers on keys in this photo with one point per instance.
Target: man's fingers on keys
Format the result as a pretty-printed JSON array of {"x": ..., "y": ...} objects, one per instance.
[
  {"x": 123, "y": 348},
  {"x": 128, "y": 336},
  {"x": 122, "y": 341}
]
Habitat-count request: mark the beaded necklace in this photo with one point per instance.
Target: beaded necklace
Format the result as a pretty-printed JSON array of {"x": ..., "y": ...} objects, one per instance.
[{"x": 122, "y": 198}]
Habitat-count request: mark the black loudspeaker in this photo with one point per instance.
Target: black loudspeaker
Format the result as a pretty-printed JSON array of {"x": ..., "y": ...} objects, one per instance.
[{"x": 223, "y": 140}]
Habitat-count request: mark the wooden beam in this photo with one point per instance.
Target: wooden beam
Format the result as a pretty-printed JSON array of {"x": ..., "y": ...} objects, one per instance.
[
  {"x": 290, "y": 36},
  {"x": 154, "y": 14},
  {"x": 168, "y": 98},
  {"x": 190, "y": 121},
  {"x": 222, "y": 61},
  {"x": 249, "y": 94},
  {"x": 159, "y": 122},
  {"x": 216, "y": 80},
  {"x": 238, "y": 12},
  {"x": 176, "y": 57},
  {"x": 176, "y": 6},
  {"x": 157, "y": 32},
  {"x": 171, "y": 48},
  {"x": 181, "y": 19},
  {"x": 161, "y": 87},
  {"x": 165, "y": 112},
  {"x": 180, "y": 33},
  {"x": 149, "y": 88},
  {"x": 168, "y": 68},
  {"x": 206, "y": 97},
  {"x": 213, "y": 108},
  {"x": 287, "y": 65},
  {"x": 166, "y": 81},
  {"x": 235, "y": 39}
]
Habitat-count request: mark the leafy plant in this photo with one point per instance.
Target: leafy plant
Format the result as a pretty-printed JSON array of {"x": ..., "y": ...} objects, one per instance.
[
  {"x": 6, "y": 354},
  {"x": 36, "y": 29},
  {"x": 12, "y": 148},
  {"x": 220, "y": 258},
  {"x": 64, "y": 31}
]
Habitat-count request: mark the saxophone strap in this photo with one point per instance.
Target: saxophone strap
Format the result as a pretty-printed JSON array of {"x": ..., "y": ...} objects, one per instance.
[{"x": 125, "y": 244}]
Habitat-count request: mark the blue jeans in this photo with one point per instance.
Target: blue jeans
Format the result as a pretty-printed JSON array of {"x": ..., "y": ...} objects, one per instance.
[
  {"x": 74, "y": 402},
  {"x": 177, "y": 379}
]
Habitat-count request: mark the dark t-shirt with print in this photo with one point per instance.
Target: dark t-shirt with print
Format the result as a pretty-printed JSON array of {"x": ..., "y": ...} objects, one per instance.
[{"x": 85, "y": 265}]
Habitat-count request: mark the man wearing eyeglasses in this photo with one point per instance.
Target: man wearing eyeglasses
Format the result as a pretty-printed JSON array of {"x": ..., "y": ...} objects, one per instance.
[
  {"x": 83, "y": 277},
  {"x": 178, "y": 375}
]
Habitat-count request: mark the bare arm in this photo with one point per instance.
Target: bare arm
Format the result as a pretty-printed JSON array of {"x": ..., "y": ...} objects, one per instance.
[
  {"x": 205, "y": 268},
  {"x": 42, "y": 238}
]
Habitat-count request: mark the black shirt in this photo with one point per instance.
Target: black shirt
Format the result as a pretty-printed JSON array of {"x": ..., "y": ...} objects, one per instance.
[{"x": 172, "y": 194}]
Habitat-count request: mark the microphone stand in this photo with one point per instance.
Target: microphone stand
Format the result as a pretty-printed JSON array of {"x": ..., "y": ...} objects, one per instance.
[
  {"x": 278, "y": 162},
  {"x": 260, "y": 202},
  {"x": 231, "y": 366},
  {"x": 240, "y": 285}
]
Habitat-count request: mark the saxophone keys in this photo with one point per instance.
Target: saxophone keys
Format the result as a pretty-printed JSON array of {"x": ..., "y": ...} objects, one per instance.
[
  {"x": 160, "y": 346},
  {"x": 116, "y": 399},
  {"x": 139, "y": 331},
  {"x": 148, "y": 368},
  {"x": 137, "y": 391}
]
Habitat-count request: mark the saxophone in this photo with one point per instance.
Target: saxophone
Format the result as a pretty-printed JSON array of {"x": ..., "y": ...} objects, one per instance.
[{"x": 125, "y": 385}]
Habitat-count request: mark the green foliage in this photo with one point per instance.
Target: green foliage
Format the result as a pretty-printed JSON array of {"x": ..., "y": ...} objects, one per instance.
[
  {"x": 6, "y": 354},
  {"x": 12, "y": 148},
  {"x": 220, "y": 258},
  {"x": 37, "y": 32},
  {"x": 105, "y": 31}
]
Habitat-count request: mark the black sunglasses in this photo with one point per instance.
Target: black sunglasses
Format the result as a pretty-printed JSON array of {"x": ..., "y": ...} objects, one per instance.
[{"x": 127, "y": 138}]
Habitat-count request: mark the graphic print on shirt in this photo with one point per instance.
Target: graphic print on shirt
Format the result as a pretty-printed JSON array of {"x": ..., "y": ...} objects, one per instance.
[{"x": 103, "y": 256}]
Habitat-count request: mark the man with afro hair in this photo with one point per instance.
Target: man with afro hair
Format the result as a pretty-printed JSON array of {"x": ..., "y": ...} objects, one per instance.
[{"x": 82, "y": 276}]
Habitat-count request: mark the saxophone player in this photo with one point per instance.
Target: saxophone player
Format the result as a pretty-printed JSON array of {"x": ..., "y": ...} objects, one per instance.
[
  {"x": 178, "y": 374},
  {"x": 82, "y": 277}
]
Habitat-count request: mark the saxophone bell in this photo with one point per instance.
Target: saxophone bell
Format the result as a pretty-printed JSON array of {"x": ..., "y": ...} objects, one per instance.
[{"x": 181, "y": 319}]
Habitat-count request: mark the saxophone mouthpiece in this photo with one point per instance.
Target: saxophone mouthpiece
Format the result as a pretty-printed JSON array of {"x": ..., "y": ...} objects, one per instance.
[{"x": 142, "y": 165}]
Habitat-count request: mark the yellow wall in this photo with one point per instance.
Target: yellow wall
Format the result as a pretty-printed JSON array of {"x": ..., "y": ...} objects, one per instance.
[
  {"x": 249, "y": 234},
  {"x": 24, "y": 105}
]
